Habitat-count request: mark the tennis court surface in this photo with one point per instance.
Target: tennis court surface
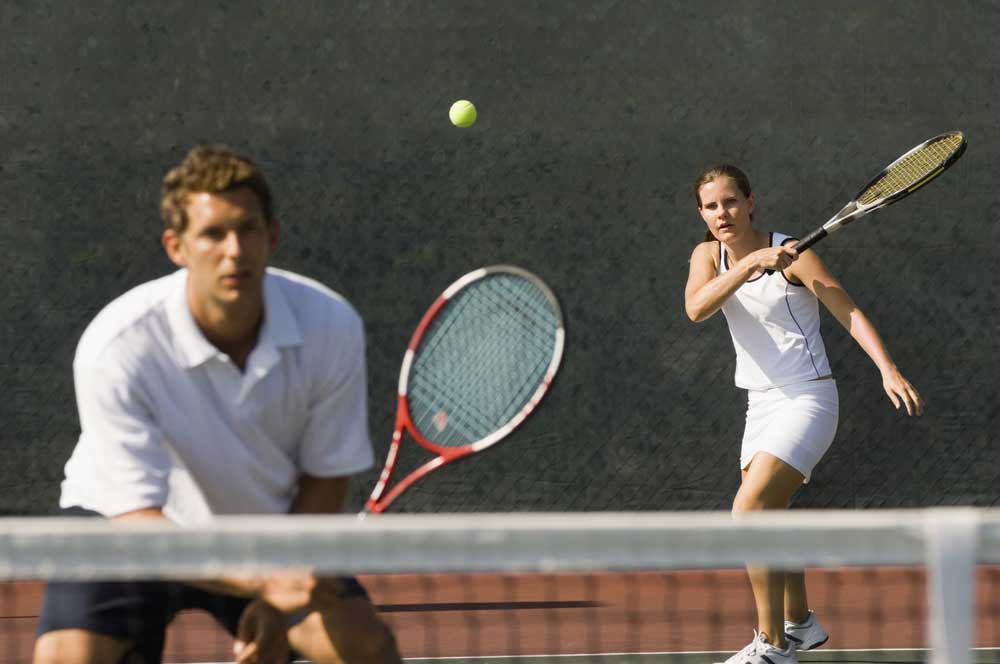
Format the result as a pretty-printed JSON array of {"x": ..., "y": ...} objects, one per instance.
[{"x": 894, "y": 586}]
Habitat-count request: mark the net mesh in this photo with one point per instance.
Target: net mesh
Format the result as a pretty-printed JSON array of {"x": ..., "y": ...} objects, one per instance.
[
  {"x": 603, "y": 587},
  {"x": 482, "y": 358},
  {"x": 912, "y": 168}
]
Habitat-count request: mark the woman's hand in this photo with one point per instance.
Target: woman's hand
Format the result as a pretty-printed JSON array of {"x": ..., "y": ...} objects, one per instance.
[
  {"x": 772, "y": 258},
  {"x": 901, "y": 392}
]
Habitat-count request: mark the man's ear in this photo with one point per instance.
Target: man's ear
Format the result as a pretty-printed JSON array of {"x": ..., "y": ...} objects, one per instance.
[{"x": 172, "y": 245}]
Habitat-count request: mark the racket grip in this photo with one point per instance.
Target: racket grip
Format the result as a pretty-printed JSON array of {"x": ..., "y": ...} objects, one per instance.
[
  {"x": 810, "y": 239},
  {"x": 807, "y": 242}
]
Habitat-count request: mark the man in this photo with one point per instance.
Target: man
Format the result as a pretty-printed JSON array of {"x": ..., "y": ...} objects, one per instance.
[{"x": 226, "y": 387}]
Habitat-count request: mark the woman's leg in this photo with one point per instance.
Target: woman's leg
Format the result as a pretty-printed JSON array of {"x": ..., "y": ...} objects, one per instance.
[
  {"x": 768, "y": 484},
  {"x": 796, "y": 602}
]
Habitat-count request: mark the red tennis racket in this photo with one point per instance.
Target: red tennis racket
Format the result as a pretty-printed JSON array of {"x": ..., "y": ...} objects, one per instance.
[{"x": 478, "y": 364}]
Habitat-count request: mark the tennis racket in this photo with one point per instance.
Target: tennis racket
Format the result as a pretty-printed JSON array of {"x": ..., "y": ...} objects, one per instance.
[
  {"x": 899, "y": 179},
  {"x": 478, "y": 364}
]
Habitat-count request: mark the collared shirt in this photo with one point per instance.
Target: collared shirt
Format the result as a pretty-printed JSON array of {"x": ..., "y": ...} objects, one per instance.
[{"x": 167, "y": 420}]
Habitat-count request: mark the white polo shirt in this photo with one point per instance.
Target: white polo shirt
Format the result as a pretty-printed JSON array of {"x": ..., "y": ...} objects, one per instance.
[{"x": 169, "y": 421}]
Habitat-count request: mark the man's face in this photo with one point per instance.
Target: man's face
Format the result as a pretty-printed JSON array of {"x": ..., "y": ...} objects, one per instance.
[{"x": 225, "y": 247}]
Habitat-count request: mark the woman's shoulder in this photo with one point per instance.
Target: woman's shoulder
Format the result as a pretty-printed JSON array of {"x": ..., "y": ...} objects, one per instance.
[
  {"x": 706, "y": 251},
  {"x": 707, "y": 246}
]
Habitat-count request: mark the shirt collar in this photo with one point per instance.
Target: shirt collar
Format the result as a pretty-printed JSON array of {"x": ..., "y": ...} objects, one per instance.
[
  {"x": 279, "y": 329},
  {"x": 280, "y": 326}
]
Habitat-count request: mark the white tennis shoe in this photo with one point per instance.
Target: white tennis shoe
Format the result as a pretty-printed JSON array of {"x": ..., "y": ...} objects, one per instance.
[
  {"x": 759, "y": 651},
  {"x": 807, "y": 634}
]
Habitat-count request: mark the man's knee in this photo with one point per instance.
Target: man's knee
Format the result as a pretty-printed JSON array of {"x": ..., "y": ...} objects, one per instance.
[
  {"x": 78, "y": 646},
  {"x": 346, "y": 637},
  {"x": 375, "y": 644}
]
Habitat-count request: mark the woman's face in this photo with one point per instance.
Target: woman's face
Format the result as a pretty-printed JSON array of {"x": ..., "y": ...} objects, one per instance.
[{"x": 724, "y": 208}]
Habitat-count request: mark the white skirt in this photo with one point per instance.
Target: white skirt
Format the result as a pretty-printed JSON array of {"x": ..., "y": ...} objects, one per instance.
[{"x": 795, "y": 423}]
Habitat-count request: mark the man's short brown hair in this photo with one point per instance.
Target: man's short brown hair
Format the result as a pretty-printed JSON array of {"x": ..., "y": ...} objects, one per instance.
[{"x": 209, "y": 169}]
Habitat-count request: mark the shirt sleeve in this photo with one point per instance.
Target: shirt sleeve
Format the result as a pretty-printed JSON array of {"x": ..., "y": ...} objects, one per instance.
[
  {"x": 126, "y": 463},
  {"x": 336, "y": 441}
]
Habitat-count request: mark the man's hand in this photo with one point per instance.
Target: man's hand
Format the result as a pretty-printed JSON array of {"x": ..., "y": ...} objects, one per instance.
[
  {"x": 262, "y": 636},
  {"x": 294, "y": 590},
  {"x": 288, "y": 590}
]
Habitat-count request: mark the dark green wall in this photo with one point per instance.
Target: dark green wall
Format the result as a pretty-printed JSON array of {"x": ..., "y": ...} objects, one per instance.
[{"x": 594, "y": 116}]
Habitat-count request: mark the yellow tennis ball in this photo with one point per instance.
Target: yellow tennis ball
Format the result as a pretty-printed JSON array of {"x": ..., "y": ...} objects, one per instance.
[{"x": 462, "y": 113}]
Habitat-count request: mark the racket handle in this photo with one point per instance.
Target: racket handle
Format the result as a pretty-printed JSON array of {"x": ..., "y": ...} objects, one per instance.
[
  {"x": 810, "y": 239},
  {"x": 807, "y": 242}
]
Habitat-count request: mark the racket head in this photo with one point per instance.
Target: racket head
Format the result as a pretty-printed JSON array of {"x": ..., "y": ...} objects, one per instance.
[
  {"x": 480, "y": 361},
  {"x": 912, "y": 170}
]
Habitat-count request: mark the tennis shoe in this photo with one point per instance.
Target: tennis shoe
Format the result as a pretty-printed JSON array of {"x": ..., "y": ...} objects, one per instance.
[
  {"x": 760, "y": 651},
  {"x": 807, "y": 634}
]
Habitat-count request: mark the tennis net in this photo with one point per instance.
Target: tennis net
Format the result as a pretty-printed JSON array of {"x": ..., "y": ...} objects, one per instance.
[{"x": 905, "y": 585}]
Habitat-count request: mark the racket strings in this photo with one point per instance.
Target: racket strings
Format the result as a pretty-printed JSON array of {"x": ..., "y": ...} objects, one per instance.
[
  {"x": 493, "y": 400},
  {"x": 495, "y": 303},
  {"x": 912, "y": 168},
  {"x": 536, "y": 323},
  {"x": 450, "y": 417},
  {"x": 482, "y": 359},
  {"x": 437, "y": 388}
]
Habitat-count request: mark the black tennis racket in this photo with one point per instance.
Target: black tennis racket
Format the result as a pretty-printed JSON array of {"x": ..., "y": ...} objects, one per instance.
[
  {"x": 899, "y": 179},
  {"x": 478, "y": 364}
]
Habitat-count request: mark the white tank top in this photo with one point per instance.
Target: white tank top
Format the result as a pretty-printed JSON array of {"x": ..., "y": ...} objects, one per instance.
[{"x": 775, "y": 328}]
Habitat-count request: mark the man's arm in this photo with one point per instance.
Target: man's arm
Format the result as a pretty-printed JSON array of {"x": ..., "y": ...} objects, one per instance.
[
  {"x": 244, "y": 585},
  {"x": 295, "y": 589},
  {"x": 316, "y": 495},
  {"x": 144, "y": 513},
  {"x": 320, "y": 495}
]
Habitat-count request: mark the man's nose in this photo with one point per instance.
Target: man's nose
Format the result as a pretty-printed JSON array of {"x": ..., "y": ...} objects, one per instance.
[{"x": 233, "y": 243}]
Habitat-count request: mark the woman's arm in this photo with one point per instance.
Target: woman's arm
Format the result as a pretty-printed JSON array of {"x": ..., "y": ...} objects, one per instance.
[
  {"x": 706, "y": 291},
  {"x": 813, "y": 273}
]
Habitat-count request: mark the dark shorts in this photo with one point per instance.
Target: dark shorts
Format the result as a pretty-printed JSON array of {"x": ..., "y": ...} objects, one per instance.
[{"x": 139, "y": 611}]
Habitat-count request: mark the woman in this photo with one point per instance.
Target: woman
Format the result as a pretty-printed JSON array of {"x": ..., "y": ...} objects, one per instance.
[{"x": 768, "y": 293}]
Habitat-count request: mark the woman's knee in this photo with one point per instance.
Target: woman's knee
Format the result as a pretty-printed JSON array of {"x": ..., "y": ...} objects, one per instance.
[
  {"x": 744, "y": 503},
  {"x": 749, "y": 500}
]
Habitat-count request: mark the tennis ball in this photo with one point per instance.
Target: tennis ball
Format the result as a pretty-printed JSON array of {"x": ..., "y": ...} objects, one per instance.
[{"x": 462, "y": 113}]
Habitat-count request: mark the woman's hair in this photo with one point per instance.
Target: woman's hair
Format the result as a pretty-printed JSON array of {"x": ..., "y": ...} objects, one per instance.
[
  {"x": 210, "y": 169},
  {"x": 722, "y": 170}
]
